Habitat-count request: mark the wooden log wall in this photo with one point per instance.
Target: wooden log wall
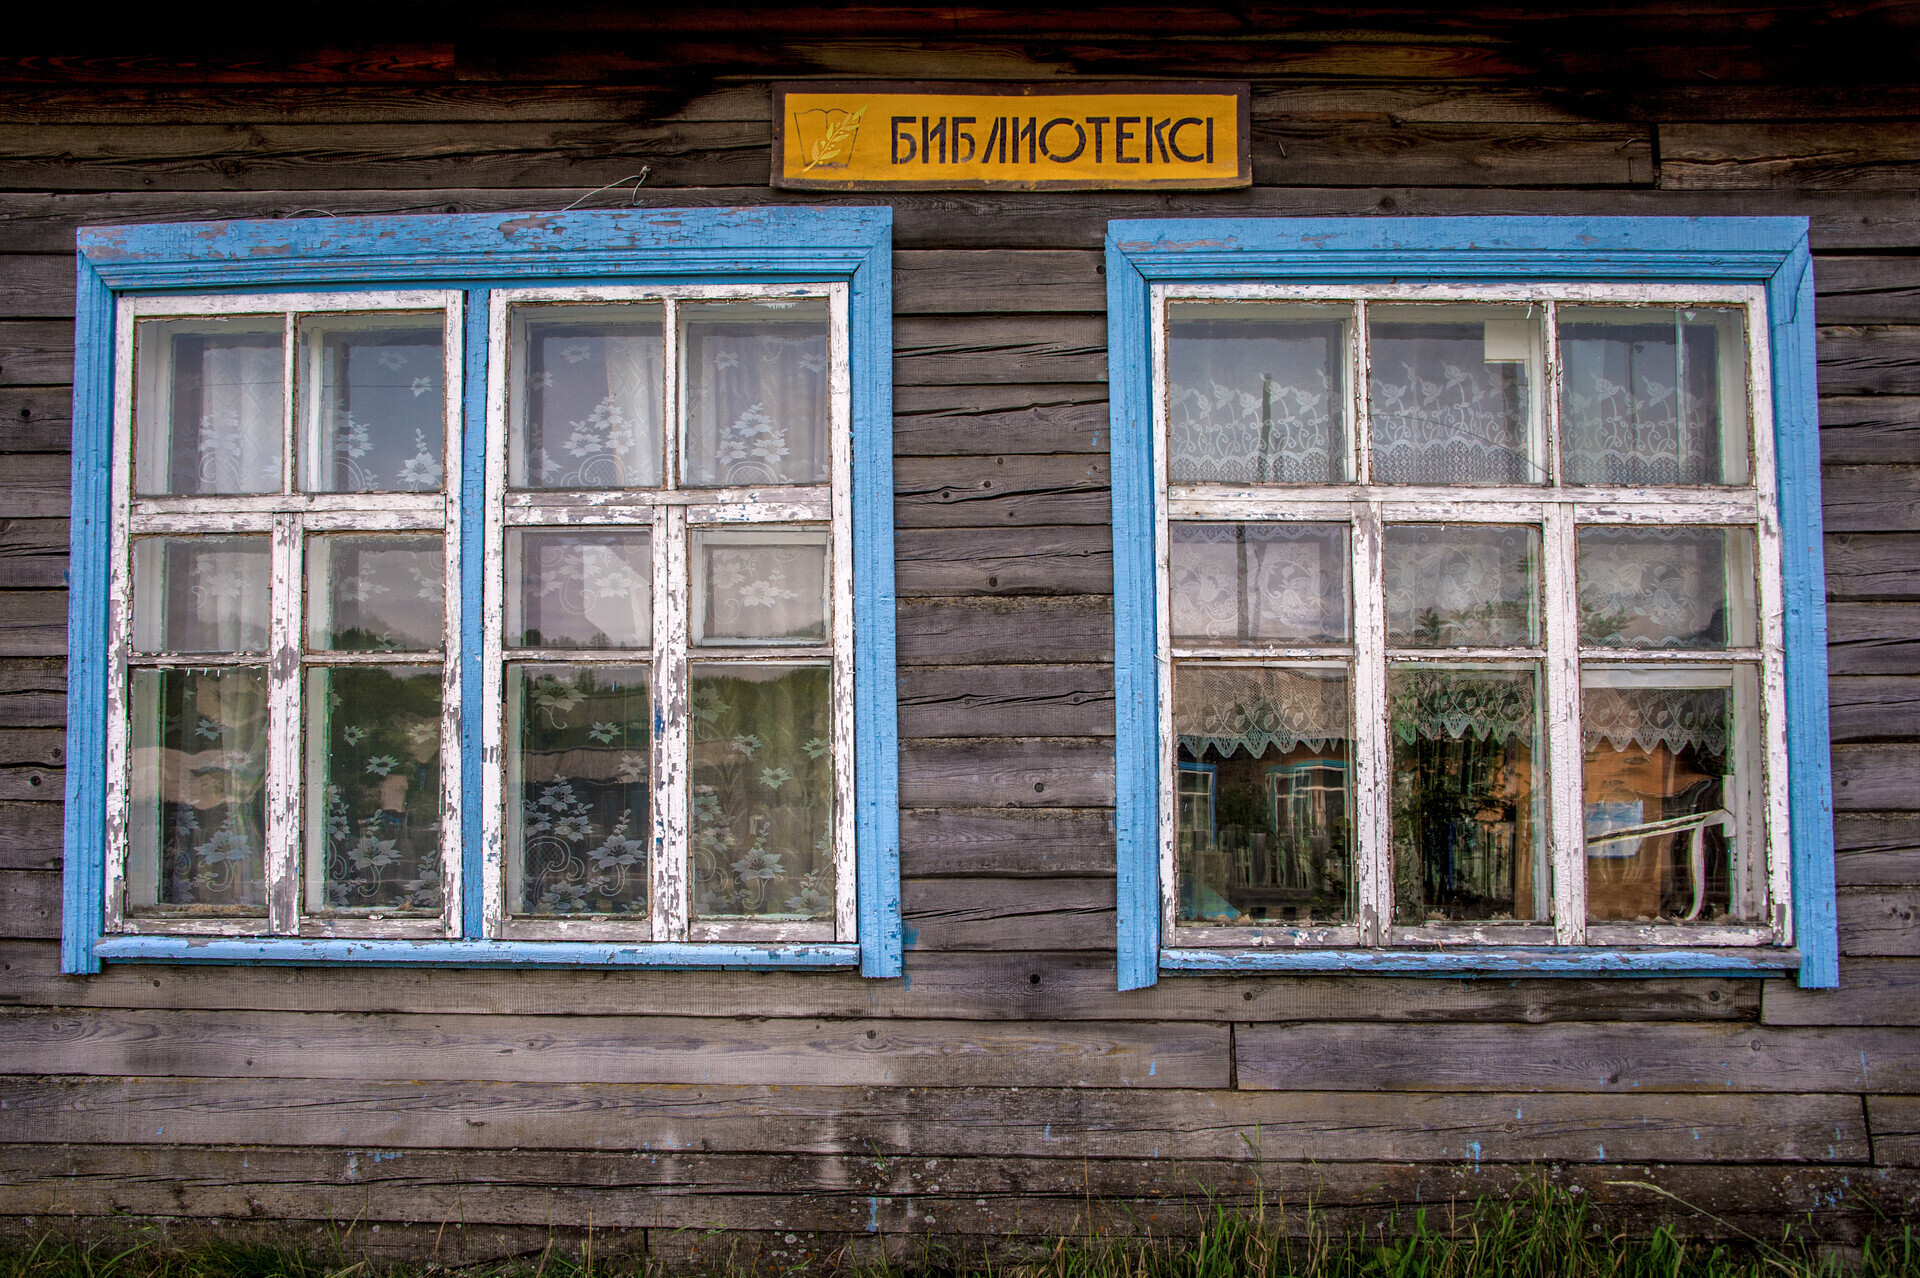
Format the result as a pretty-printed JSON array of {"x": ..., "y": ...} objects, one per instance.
[{"x": 1003, "y": 1088}]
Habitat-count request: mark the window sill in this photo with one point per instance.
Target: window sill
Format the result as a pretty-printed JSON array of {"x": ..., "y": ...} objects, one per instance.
[
  {"x": 330, "y": 952},
  {"x": 1509, "y": 961}
]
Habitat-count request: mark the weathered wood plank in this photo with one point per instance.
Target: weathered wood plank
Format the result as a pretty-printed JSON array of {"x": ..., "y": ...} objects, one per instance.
[
  {"x": 200, "y": 157},
  {"x": 1842, "y": 220},
  {"x": 1877, "y": 849},
  {"x": 872, "y": 1052},
  {"x": 33, "y": 623},
  {"x": 1308, "y": 152},
  {"x": 1873, "y": 639},
  {"x": 36, "y": 286},
  {"x": 1577, "y": 1058},
  {"x": 1895, "y": 1124},
  {"x": 1879, "y": 924},
  {"x": 945, "y": 1123},
  {"x": 976, "y": 986},
  {"x": 1876, "y": 778},
  {"x": 1873, "y": 566},
  {"x": 972, "y": 282},
  {"x": 1869, "y": 429},
  {"x": 337, "y": 103},
  {"x": 36, "y": 352},
  {"x": 1069, "y": 628},
  {"x": 1870, "y": 498},
  {"x": 1009, "y": 914},
  {"x": 1001, "y": 491},
  {"x": 33, "y": 552},
  {"x": 1762, "y": 155},
  {"x": 1006, "y": 841},
  {"x": 998, "y": 561},
  {"x": 36, "y": 419},
  {"x": 685, "y": 1195},
  {"x": 33, "y": 693},
  {"x": 295, "y": 64},
  {"x": 31, "y": 784},
  {"x": 36, "y": 486},
  {"x": 1006, "y": 701},
  {"x": 36, "y": 747},
  {"x": 30, "y": 836},
  {"x": 1874, "y": 709},
  {"x": 1872, "y": 992},
  {"x": 29, "y": 904},
  {"x": 966, "y": 421},
  {"x": 953, "y": 350},
  {"x": 1051, "y": 772},
  {"x": 1867, "y": 290},
  {"x": 1869, "y": 359}
]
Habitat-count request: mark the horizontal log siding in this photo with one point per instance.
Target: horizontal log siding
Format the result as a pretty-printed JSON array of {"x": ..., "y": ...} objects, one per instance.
[{"x": 1004, "y": 1087}]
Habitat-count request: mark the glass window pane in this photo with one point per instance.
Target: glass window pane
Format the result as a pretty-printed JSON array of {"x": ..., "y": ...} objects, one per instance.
[
  {"x": 579, "y": 589},
  {"x": 761, "y": 771},
  {"x": 1468, "y": 823},
  {"x": 373, "y": 802},
  {"x": 197, "y": 810},
  {"x": 373, "y": 396},
  {"x": 1265, "y": 583},
  {"x": 755, "y": 387},
  {"x": 760, "y": 587},
  {"x": 1256, "y": 393},
  {"x": 579, "y": 789},
  {"x": 210, "y": 405},
  {"x": 1462, "y": 585},
  {"x": 1653, "y": 395},
  {"x": 385, "y": 594},
  {"x": 1667, "y": 587},
  {"x": 586, "y": 411},
  {"x": 1673, "y": 791},
  {"x": 1264, "y": 794},
  {"x": 200, "y": 594},
  {"x": 1450, "y": 394}
]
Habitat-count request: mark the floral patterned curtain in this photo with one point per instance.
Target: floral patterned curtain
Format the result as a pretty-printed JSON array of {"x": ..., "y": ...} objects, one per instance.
[
  {"x": 1255, "y": 402},
  {"x": 1653, "y": 717},
  {"x": 235, "y": 383},
  {"x": 593, "y": 407},
  {"x": 1640, "y": 403},
  {"x": 1451, "y": 704},
  {"x": 1440, "y": 413},
  {"x": 756, "y": 404},
  {"x": 1259, "y": 582},
  {"x": 1653, "y": 587},
  {"x": 1230, "y": 708}
]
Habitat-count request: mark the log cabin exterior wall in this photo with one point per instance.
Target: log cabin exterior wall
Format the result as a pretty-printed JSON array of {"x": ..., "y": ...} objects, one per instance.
[{"x": 1004, "y": 1088}]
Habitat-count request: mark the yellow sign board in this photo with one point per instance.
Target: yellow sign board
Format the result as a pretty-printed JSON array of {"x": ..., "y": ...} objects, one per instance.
[{"x": 1010, "y": 137}]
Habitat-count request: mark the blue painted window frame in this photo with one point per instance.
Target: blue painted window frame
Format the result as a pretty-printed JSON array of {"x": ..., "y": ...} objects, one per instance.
[
  {"x": 476, "y": 253},
  {"x": 1771, "y": 252}
]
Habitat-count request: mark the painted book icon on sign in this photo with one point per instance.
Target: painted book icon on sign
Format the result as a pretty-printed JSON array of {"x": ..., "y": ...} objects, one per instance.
[{"x": 826, "y": 137}]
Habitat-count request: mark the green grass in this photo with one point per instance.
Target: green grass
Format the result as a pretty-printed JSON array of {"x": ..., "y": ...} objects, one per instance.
[{"x": 1548, "y": 1233}]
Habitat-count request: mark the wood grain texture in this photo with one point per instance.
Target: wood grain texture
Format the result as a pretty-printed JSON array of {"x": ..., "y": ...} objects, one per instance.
[
  {"x": 336, "y": 103},
  {"x": 950, "y": 282},
  {"x": 1873, "y": 639},
  {"x": 1067, "y": 628},
  {"x": 1876, "y": 778},
  {"x": 1869, "y": 429},
  {"x": 31, "y": 784},
  {"x": 36, "y": 419},
  {"x": 1895, "y": 1124},
  {"x": 974, "y": 986},
  {"x": 30, "y": 836},
  {"x": 1874, "y": 709},
  {"x": 952, "y": 350},
  {"x": 966, "y": 421},
  {"x": 999, "y": 491},
  {"x": 1019, "y": 914},
  {"x": 1873, "y": 566},
  {"x": 1875, "y": 849},
  {"x": 1872, "y": 992},
  {"x": 945, "y": 1123},
  {"x": 1354, "y": 152},
  {"x": 1006, "y": 701},
  {"x": 1577, "y": 1058},
  {"x": 997, "y": 561},
  {"x": 36, "y": 486},
  {"x": 1879, "y": 924},
  {"x": 36, "y": 286},
  {"x": 1048, "y": 772},
  {"x": 1869, "y": 359},
  {"x": 1823, "y": 156},
  {"x": 33, "y": 692},
  {"x": 1866, "y": 290},
  {"x": 30, "y": 904},
  {"x": 535, "y": 1048},
  {"x": 36, "y": 352},
  {"x": 33, "y": 552},
  {"x": 1870, "y": 498}
]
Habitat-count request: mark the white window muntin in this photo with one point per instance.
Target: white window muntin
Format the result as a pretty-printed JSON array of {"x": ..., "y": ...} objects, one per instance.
[
  {"x": 672, "y": 513},
  {"x": 288, "y": 517},
  {"x": 1558, "y": 511}
]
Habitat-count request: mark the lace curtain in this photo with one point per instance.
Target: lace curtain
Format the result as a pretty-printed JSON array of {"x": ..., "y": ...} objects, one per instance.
[
  {"x": 1653, "y": 717},
  {"x": 593, "y": 407},
  {"x": 1451, "y": 704},
  {"x": 1640, "y": 403},
  {"x": 1653, "y": 587},
  {"x": 1259, "y": 582},
  {"x": 1256, "y": 709},
  {"x": 1457, "y": 585},
  {"x": 769, "y": 590},
  {"x": 232, "y": 386},
  {"x": 1440, "y": 413},
  {"x": 756, "y": 405},
  {"x": 1255, "y": 402}
]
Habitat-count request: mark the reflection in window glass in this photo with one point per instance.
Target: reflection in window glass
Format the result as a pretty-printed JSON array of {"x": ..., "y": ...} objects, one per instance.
[
  {"x": 1263, "y": 792},
  {"x": 765, "y": 587},
  {"x": 587, "y": 412},
  {"x": 380, "y": 594},
  {"x": 1671, "y": 780},
  {"x": 1652, "y": 395},
  {"x": 1462, "y": 585},
  {"x": 200, "y": 594},
  {"x": 568, "y": 589},
  {"x": 1450, "y": 394},
  {"x": 1256, "y": 393},
  {"x": 755, "y": 391},
  {"x": 210, "y": 406},
  {"x": 1266, "y": 583},
  {"x": 1467, "y": 841},
  {"x": 1667, "y": 587},
  {"x": 579, "y": 789},
  {"x": 373, "y": 803},
  {"x": 761, "y": 776},
  {"x": 373, "y": 398},
  {"x": 197, "y": 810}
]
